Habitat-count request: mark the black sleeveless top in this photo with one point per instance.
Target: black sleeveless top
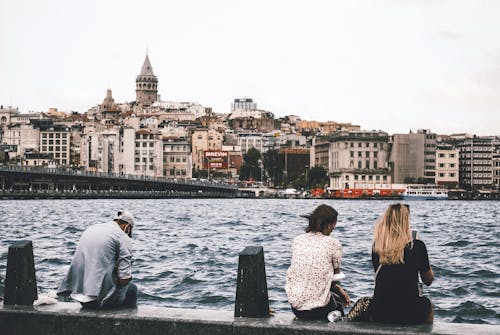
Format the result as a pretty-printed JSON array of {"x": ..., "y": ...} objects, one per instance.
[{"x": 396, "y": 296}]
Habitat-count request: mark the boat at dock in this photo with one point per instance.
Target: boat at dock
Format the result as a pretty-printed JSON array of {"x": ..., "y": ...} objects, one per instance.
[{"x": 424, "y": 192}]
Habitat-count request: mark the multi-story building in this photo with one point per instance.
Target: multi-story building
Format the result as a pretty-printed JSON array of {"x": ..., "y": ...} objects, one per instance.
[
  {"x": 243, "y": 104},
  {"x": 177, "y": 159},
  {"x": 496, "y": 169},
  {"x": 24, "y": 136},
  {"x": 447, "y": 165},
  {"x": 356, "y": 159},
  {"x": 413, "y": 157},
  {"x": 55, "y": 140},
  {"x": 148, "y": 156},
  {"x": 204, "y": 140},
  {"x": 476, "y": 163}
]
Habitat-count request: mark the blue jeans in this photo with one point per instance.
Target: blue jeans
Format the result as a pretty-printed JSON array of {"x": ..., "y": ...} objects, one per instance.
[{"x": 124, "y": 296}]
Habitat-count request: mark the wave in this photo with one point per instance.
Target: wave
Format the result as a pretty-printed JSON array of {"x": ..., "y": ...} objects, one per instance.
[{"x": 459, "y": 243}]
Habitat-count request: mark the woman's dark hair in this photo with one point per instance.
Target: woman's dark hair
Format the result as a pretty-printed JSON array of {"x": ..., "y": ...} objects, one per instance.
[{"x": 320, "y": 218}]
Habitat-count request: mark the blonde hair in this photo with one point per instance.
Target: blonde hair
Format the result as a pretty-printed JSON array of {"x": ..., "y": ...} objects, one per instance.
[{"x": 392, "y": 233}]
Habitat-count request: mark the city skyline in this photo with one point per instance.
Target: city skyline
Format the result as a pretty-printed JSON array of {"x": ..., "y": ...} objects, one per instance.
[{"x": 389, "y": 65}]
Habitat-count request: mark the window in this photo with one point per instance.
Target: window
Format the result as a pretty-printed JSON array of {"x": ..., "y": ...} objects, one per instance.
[
  {"x": 63, "y": 148},
  {"x": 359, "y": 144},
  {"x": 441, "y": 155},
  {"x": 441, "y": 165},
  {"x": 144, "y": 144},
  {"x": 375, "y": 165},
  {"x": 137, "y": 144},
  {"x": 367, "y": 144},
  {"x": 370, "y": 177},
  {"x": 51, "y": 141},
  {"x": 367, "y": 154},
  {"x": 58, "y": 135},
  {"x": 352, "y": 144},
  {"x": 151, "y": 144},
  {"x": 44, "y": 135},
  {"x": 355, "y": 177},
  {"x": 360, "y": 154},
  {"x": 58, "y": 142},
  {"x": 367, "y": 165},
  {"x": 375, "y": 144},
  {"x": 363, "y": 178},
  {"x": 452, "y": 174},
  {"x": 384, "y": 178},
  {"x": 375, "y": 153},
  {"x": 171, "y": 159},
  {"x": 352, "y": 153},
  {"x": 359, "y": 165},
  {"x": 51, "y": 135},
  {"x": 137, "y": 160},
  {"x": 64, "y": 135},
  {"x": 441, "y": 174},
  {"x": 452, "y": 165},
  {"x": 452, "y": 155}
]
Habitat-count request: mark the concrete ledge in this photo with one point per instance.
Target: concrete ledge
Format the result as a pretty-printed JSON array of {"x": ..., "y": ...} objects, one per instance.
[{"x": 69, "y": 318}]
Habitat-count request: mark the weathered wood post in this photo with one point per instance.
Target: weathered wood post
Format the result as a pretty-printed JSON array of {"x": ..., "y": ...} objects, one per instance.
[
  {"x": 252, "y": 300},
  {"x": 20, "y": 281}
]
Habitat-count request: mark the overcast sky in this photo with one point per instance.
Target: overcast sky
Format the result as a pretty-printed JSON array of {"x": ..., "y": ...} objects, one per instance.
[{"x": 393, "y": 65}]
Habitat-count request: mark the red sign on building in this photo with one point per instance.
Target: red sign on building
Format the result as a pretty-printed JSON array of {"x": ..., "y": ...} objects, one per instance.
[{"x": 217, "y": 160}]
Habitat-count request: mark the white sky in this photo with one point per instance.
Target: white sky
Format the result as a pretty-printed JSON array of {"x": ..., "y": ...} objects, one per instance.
[{"x": 393, "y": 65}]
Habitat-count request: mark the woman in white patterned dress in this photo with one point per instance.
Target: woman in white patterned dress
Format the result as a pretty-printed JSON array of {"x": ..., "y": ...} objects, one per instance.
[{"x": 316, "y": 257}]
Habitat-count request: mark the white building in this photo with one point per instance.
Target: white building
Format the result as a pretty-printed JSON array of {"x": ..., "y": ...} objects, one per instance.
[{"x": 356, "y": 159}]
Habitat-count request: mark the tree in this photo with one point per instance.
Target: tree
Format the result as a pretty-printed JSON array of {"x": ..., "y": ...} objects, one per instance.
[
  {"x": 250, "y": 168},
  {"x": 317, "y": 177},
  {"x": 274, "y": 166}
]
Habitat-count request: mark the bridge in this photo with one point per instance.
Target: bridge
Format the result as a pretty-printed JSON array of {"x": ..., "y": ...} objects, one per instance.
[{"x": 18, "y": 182}]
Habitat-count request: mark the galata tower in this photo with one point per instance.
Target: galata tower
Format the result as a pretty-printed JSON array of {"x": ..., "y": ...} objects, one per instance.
[{"x": 146, "y": 85}]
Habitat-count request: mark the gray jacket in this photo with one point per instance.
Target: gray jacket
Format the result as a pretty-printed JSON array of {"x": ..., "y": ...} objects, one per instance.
[{"x": 103, "y": 255}]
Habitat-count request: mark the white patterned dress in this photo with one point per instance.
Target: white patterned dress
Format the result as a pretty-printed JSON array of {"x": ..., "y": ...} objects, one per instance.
[{"x": 308, "y": 280}]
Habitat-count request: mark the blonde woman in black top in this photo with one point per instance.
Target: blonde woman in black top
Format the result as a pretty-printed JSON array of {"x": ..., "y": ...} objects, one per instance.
[{"x": 397, "y": 260}]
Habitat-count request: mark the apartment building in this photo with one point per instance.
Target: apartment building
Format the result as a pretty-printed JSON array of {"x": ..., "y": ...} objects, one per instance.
[
  {"x": 177, "y": 158},
  {"x": 476, "y": 163},
  {"x": 204, "y": 140},
  {"x": 55, "y": 141},
  {"x": 447, "y": 165}
]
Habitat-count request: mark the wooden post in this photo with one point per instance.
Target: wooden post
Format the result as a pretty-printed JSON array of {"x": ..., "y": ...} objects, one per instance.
[
  {"x": 251, "y": 288},
  {"x": 20, "y": 281}
]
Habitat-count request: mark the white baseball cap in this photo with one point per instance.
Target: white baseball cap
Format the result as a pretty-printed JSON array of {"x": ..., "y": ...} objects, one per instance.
[{"x": 125, "y": 216}]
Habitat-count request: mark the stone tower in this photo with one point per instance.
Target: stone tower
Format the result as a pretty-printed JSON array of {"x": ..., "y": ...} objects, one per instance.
[{"x": 146, "y": 85}]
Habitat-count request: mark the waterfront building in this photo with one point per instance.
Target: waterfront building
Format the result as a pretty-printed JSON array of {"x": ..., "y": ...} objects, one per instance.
[
  {"x": 204, "y": 140},
  {"x": 496, "y": 169},
  {"x": 353, "y": 159},
  {"x": 476, "y": 163},
  {"x": 24, "y": 136},
  {"x": 235, "y": 158},
  {"x": 447, "y": 163},
  {"x": 177, "y": 159},
  {"x": 148, "y": 156},
  {"x": 55, "y": 140},
  {"x": 37, "y": 159},
  {"x": 146, "y": 85},
  {"x": 413, "y": 157}
]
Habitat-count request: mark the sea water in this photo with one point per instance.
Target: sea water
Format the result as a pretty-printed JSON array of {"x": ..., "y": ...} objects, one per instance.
[{"x": 186, "y": 250}]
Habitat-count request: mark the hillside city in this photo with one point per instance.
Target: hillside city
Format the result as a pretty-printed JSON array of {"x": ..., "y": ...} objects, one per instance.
[{"x": 182, "y": 140}]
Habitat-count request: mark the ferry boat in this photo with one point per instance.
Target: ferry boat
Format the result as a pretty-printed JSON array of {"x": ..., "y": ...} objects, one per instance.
[{"x": 424, "y": 192}]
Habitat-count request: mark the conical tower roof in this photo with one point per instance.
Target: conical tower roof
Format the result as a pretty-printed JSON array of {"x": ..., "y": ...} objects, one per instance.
[{"x": 147, "y": 69}]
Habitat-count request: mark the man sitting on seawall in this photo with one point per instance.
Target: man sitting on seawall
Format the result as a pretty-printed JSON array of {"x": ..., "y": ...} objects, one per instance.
[{"x": 101, "y": 270}]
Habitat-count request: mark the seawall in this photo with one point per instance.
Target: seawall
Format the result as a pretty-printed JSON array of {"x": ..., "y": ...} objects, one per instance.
[{"x": 69, "y": 318}]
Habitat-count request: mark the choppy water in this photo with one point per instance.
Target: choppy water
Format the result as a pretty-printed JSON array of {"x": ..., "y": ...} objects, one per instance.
[{"x": 186, "y": 251}]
